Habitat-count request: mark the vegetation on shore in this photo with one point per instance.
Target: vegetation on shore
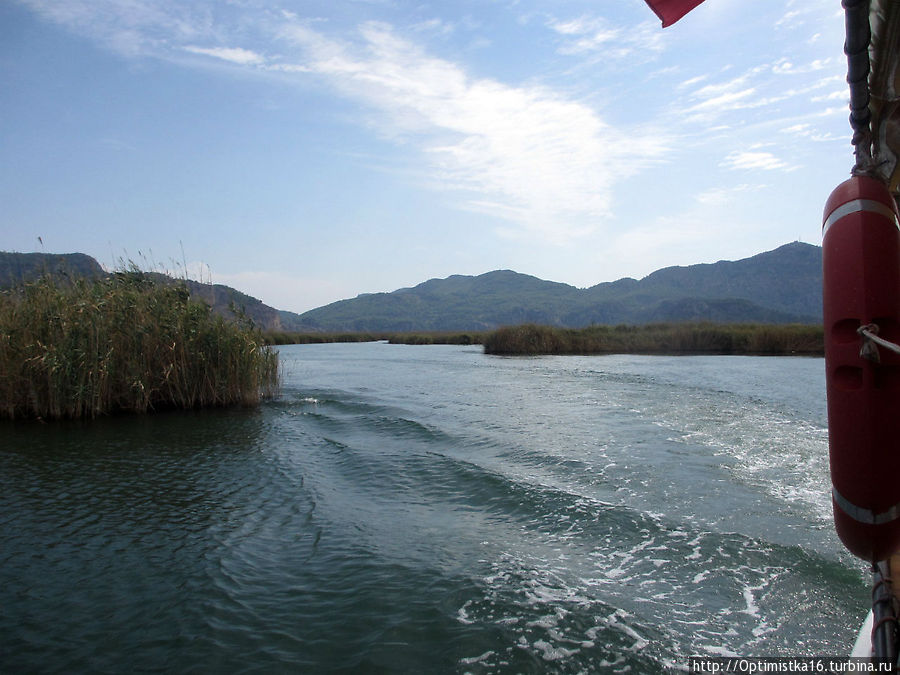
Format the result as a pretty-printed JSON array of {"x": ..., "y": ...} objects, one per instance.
[
  {"x": 657, "y": 338},
  {"x": 124, "y": 343},
  {"x": 666, "y": 338}
]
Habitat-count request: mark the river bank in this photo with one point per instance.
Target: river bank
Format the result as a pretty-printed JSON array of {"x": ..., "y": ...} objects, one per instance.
[
  {"x": 659, "y": 338},
  {"x": 671, "y": 338}
]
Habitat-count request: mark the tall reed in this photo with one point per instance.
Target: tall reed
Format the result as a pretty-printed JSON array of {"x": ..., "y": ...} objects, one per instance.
[
  {"x": 124, "y": 343},
  {"x": 667, "y": 338}
]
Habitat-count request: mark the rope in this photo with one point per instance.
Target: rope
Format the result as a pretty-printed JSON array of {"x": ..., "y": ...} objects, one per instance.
[
  {"x": 881, "y": 581},
  {"x": 884, "y": 613},
  {"x": 869, "y": 350}
]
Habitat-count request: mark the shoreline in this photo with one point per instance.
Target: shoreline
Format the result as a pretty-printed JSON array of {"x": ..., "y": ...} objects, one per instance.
[{"x": 671, "y": 339}]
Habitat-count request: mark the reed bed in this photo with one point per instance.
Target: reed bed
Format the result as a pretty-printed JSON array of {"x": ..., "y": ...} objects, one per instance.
[
  {"x": 124, "y": 344},
  {"x": 669, "y": 338}
]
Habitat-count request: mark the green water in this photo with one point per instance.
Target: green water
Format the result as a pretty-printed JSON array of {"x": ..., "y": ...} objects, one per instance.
[{"x": 431, "y": 509}]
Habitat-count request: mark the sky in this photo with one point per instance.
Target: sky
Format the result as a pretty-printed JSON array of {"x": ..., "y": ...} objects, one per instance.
[{"x": 307, "y": 151}]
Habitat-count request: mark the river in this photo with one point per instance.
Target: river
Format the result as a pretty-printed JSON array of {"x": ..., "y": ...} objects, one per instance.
[{"x": 431, "y": 509}]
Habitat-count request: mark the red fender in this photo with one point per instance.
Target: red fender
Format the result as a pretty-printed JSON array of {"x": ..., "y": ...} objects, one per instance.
[{"x": 861, "y": 285}]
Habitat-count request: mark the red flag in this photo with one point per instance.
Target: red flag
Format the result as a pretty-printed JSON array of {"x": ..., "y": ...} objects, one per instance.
[{"x": 672, "y": 10}]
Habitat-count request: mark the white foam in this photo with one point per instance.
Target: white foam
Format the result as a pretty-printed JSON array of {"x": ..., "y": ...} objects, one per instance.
[
  {"x": 469, "y": 660},
  {"x": 551, "y": 653},
  {"x": 752, "y": 608},
  {"x": 462, "y": 615},
  {"x": 718, "y": 650}
]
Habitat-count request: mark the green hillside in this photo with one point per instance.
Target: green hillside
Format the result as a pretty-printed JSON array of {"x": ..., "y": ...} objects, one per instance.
[{"x": 780, "y": 286}]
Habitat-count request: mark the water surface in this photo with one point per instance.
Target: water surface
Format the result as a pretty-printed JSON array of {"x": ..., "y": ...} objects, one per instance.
[{"x": 432, "y": 509}]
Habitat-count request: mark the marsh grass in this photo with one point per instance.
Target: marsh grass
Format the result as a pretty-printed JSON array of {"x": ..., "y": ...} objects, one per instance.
[
  {"x": 124, "y": 343},
  {"x": 668, "y": 338}
]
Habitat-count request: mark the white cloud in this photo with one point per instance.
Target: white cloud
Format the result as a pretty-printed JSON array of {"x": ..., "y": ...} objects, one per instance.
[
  {"x": 839, "y": 95},
  {"x": 592, "y": 35},
  {"x": 722, "y": 196},
  {"x": 802, "y": 129},
  {"x": 754, "y": 159},
  {"x": 588, "y": 34},
  {"x": 785, "y": 67},
  {"x": 692, "y": 81},
  {"x": 727, "y": 100},
  {"x": 237, "y": 55},
  {"x": 807, "y": 131},
  {"x": 526, "y": 154},
  {"x": 754, "y": 89},
  {"x": 790, "y": 19},
  {"x": 713, "y": 100},
  {"x": 131, "y": 28}
]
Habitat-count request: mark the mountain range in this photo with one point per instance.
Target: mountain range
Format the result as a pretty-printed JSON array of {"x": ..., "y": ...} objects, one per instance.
[{"x": 779, "y": 286}]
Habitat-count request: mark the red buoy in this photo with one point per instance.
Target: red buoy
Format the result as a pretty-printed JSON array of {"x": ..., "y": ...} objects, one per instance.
[{"x": 861, "y": 286}]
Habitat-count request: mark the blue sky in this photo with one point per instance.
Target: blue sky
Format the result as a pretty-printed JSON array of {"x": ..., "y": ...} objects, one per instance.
[{"x": 305, "y": 152}]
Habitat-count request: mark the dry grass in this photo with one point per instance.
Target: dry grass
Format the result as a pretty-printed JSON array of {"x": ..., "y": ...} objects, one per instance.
[
  {"x": 123, "y": 343},
  {"x": 670, "y": 338}
]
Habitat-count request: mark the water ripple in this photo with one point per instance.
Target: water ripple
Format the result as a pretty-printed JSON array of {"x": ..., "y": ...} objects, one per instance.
[{"x": 528, "y": 516}]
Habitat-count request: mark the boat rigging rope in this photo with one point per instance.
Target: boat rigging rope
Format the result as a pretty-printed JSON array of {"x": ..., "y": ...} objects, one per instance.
[
  {"x": 869, "y": 350},
  {"x": 884, "y": 611},
  {"x": 885, "y": 608},
  {"x": 856, "y": 47}
]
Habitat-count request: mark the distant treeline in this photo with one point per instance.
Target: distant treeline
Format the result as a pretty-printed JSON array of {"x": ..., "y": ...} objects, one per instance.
[
  {"x": 422, "y": 338},
  {"x": 88, "y": 347},
  {"x": 658, "y": 338},
  {"x": 663, "y": 338}
]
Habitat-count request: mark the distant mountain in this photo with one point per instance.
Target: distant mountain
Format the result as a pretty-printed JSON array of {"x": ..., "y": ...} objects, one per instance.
[
  {"x": 18, "y": 267},
  {"x": 780, "y": 286},
  {"x": 455, "y": 303},
  {"x": 221, "y": 298}
]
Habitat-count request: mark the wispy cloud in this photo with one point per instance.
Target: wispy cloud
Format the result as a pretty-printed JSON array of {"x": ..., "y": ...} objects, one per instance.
[
  {"x": 754, "y": 159},
  {"x": 786, "y": 67},
  {"x": 533, "y": 155},
  {"x": 807, "y": 131},
  {"x": 529, "y": 154},
  {"x": 713, "y": 100},
  {"x": 526, "y": 154},
  {"x": 762, "y": 87},
  {"x": 590, "y": 35},
  {"x": 131, "y": 28},
  {"x": 237, "y": 55},
  {"x": 721, "y": 196}
]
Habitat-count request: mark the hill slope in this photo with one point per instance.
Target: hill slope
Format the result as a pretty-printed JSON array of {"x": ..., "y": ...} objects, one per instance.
[
  {"x": 779, "y": 286},
  {"x": 455, "y": 303},
  {"x": 16, "y": 268}
]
